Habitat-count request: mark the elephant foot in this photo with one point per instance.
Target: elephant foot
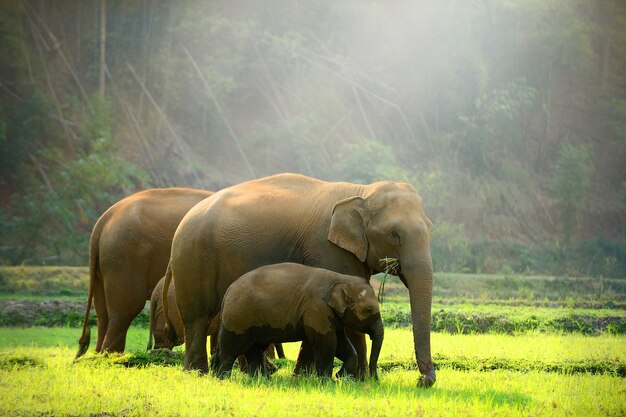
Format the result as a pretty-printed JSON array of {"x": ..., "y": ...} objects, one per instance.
[
  {"x": 303, "y": 369},
  {"x": 361, "y": 372},
  {"x": 374, "y": 374},
  {"x": 304, "y": 363},
  {"x": 428, "y": 378},
  {"x": 349, "y": 368},
  {"x": 270, "y": 366},
  {"x": 202, "y": 367}
]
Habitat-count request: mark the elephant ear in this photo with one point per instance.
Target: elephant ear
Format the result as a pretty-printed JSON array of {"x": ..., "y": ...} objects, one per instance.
[
  {"x": 337, "y": 298},
  {"x": 347, "y": 226}
]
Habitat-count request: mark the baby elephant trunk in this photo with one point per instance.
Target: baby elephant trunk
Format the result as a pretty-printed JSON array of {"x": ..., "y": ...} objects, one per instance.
[{"x": 377, "y": 334}]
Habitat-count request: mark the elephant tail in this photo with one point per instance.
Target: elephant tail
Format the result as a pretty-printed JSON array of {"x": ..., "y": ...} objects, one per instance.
[
  {"x": 166, "y": 287},
  {"x": 94, "y": 249},
  {"x": 215, "y": 362},
  {"x": 152, "y": 324}
]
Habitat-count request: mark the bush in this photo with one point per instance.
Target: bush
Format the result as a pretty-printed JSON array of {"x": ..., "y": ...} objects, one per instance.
[{"x": 601, "y": 257}]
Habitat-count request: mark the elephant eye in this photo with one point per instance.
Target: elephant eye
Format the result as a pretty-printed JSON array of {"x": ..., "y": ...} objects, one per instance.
[{"x": 395, "y": 236}]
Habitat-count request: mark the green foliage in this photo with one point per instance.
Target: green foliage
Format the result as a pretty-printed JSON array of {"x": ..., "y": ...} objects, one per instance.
[
  {"x": 472, "y": 114},
  {"x": 23, "y": 127},
  {"x": 50, "y": 220},
  {"x": 570, "y": 184},
  {"x": 450, "y": 249},
  {"x": 451, "y": 252},
  {"x": 493, "y": 127},
  {"x": 368, "y": 162},
  {"x": 455, "y": 320}
]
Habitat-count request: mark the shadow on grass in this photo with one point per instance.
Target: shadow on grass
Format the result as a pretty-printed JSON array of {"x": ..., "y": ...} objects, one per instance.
[
  {"x": 404, "y": 389},
  {"x": 10, "y": 361},
  {"x": 284, "y": 380},
  {"x": 493, "y": 397},
  {"x": 460, "y": 363},
  {"x": 159, "y": 357},
  {"x": 163, "y": 357}
]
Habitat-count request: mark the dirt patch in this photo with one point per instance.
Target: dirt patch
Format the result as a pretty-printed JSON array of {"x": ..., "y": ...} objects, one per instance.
[{"x": 51, "y": 313}]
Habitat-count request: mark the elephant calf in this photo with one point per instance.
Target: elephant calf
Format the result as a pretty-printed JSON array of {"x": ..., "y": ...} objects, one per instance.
[
  {"x": 291, "y": 302},
  {"x": 174, "y": 335}
]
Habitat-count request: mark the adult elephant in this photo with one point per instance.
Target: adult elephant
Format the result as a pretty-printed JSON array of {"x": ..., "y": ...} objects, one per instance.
[
  {"x": 128, "y": 254},
  {"x": 343, "y": 227}
]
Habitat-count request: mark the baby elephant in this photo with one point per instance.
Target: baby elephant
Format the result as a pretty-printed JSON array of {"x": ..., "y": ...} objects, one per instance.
[
  {"x": 175, "y": 335},
  {"x": 291, "y": 302}
]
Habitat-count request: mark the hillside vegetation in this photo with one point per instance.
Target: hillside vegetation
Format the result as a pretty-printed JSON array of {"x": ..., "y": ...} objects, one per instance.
[
  {"x": 465, "y": 304},
  {"x": 508, "y": 117}
]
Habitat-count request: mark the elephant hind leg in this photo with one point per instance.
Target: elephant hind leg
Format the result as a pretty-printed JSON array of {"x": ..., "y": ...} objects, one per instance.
[
  {"x": 347, "y": 354},
  {"x": 195, "y": 345},
  {"x": 222, "y": 364},
  {"x": 99, "y": 302},
  {"x": 120, "y": 318},
  {"x": 115, "y": 340}
]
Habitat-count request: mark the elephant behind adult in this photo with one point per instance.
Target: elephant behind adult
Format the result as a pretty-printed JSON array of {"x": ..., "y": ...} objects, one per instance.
[
  {"x": 346, "y": 228},
  {"x": 167, "y": 337},
  {"x": 128, "y": 254}
]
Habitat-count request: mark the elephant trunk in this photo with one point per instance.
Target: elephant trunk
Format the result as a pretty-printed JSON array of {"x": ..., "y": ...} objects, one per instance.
[
  {"x": 377, "y": 335},
  {"x": 418, "y": 278}
]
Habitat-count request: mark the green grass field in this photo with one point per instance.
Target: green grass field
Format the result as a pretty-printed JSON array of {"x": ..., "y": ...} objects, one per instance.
[
  {"x": 561, "y": 357},
  {"x": 39, "y": 378}
]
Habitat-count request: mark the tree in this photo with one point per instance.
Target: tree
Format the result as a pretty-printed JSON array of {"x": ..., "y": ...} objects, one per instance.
[{"x": 570, "y": 184}]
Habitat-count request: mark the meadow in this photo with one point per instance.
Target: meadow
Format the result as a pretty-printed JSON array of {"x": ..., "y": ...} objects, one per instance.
[{"x": 482, "y": 369}]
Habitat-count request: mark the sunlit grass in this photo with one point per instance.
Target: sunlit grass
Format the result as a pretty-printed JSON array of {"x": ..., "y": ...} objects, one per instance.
[
  {"x": 398, "y": 344},
  {"x": 52, "y": 385},
  {"x": 41, "y": 379}
]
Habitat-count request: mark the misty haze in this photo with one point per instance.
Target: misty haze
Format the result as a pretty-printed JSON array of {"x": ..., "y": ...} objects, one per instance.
[{"x": 466, "y": 158}]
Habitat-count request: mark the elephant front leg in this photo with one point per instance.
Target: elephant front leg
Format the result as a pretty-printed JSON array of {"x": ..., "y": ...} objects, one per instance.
[
  {"x": 347, "y": 354},
  {"x": 304, "y": 363},
  {"x": 222, "y": 365},
  {"x": 257, "y": 361},
  {"x": 358, "y": 341},
  {"x": 324, "y": 348}
]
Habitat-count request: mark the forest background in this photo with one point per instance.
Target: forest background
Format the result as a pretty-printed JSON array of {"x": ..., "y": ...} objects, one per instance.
[{"x": 509, "y": 117}]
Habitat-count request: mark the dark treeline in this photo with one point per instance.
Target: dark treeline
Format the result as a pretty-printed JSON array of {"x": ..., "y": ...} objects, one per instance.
[{"x": 508, "y": 117}]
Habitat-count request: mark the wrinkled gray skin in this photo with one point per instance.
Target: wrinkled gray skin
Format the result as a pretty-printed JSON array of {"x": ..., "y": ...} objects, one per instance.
[
  {"x": 343, "y": 227},
  {"x": 128, "y": 254},
  {"x": 290, "y": 302}
]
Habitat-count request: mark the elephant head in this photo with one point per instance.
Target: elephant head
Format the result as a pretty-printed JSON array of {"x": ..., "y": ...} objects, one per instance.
[
  {"x": 357, "y": 307},
  {"x": 388, "y": 221}
]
